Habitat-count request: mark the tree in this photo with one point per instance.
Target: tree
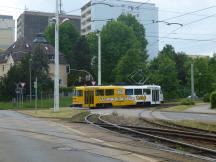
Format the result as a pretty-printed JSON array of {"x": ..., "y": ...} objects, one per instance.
[
  {"x": 138, "y": 30},
  {"x": 183, "y": 65},
  {"x": 92, "y": 40},
  {"x": 203, "y": 76},
  {"x": 212, "y": 69},
  {"x": 67, "y": 38},
  {"x": 169, "y": 51},
  {"x": 81, "y": 59},
  {"x": 40, "y": 68},
  {"x": 128, "y": 64},
  {"x": 117, "y": 39},
  {"x": 163, "y": 73}
]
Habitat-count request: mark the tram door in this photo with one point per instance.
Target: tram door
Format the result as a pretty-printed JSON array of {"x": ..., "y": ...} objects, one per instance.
[
  {"x": 89, "y": 98},
  {"x": 155, "y": 96}
]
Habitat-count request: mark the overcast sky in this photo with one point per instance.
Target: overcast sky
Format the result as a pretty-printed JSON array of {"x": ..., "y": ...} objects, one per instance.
[{"x": 199, "y": 37}]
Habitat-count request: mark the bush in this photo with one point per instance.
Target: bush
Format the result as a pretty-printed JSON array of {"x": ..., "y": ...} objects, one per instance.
[
  {"x": 187, "y": 102},
  {"x": 206, "y": 97},
  {"x": 213, "y": 100}
]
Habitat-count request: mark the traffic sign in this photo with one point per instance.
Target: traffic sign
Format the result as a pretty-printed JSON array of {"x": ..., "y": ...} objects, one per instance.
[{"x": 93, "y": 83}]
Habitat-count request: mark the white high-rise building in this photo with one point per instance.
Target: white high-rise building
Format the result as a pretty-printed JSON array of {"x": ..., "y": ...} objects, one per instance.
[
  {"x": 7, "y": 31},
  {"x": 96, "y": 13}
]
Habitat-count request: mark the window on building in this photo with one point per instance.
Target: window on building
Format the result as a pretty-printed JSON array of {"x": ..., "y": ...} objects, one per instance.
[
  {"x": 129, "y": 91},
  {"x": 146, "y": 91},
  {"x": 138, "y": 91},
  {"x": 3, "y": 68},
  {"x": 100, "y": 92},
  {"x": 109, "y": 92}
]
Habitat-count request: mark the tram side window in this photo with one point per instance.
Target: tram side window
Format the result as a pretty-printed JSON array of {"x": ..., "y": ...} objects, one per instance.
[
  {"x": 146, "y": 91},
  {"x": 129, "y": 91},
  {"x": 100, "y": 92},
  {"x": 79, "y": 93},
  {"x": 138, "y": 91},
  {"x": 109, "y": 92}
]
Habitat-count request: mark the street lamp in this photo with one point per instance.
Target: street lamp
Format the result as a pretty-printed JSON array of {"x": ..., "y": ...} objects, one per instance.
[
  {"x": 192, "y": 82},
  {"x": 30, "y": 76},
  {"x": 56, "y": 81},
  {"x": 99, "y": 58}
]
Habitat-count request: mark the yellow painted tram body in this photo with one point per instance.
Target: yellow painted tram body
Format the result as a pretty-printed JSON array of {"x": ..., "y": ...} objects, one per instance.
[{"x": 114, "y": 96}]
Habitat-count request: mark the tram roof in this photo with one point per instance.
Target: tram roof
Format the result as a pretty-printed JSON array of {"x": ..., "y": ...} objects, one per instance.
[{"x": 117, "y": 86}]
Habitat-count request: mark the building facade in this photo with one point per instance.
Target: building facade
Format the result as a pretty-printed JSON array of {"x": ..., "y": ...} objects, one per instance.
[
  {"x": 22, "y": 48},
  {"x": 30, "y": 23},
  {"x": 7, "y": 31},
  {"x": 96, "y": 13}
]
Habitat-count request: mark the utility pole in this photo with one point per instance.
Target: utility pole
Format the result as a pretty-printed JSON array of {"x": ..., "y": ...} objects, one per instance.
[
  {"x": 56, "y": 82},
  {"x": 36, "y": 94},
  {"x": 30, "y": 85},
  {"x": 192, "y": 81},
  {"x": 60, "y": 6},
  {"x": 99, "y": 58}
]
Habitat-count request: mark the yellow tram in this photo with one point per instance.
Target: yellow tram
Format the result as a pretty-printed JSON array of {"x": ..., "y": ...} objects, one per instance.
[{"x": 114, "y": 96}]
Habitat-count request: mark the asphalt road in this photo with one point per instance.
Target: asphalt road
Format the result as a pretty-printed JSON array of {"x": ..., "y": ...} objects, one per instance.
[{"x": 26, "y": 139}]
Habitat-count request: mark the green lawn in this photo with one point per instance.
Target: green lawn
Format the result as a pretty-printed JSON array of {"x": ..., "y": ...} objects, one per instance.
[
  {"x": 210, "y": 126},
  {"x": 48, "y": 103},
  {"x": 179, "y": 108}
]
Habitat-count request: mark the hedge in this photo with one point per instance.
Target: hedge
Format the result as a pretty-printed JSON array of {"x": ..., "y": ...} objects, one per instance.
[
  {"x": 206, "y": 97},
  {"x": 213, "y": 100}
]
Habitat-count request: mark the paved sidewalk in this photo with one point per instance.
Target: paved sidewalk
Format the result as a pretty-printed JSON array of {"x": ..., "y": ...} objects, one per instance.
[{"x": 203, "y": 108}]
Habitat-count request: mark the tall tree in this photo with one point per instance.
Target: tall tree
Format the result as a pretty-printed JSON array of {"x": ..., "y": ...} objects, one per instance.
[
  {"x": 40, "y": 68},
  {"x": 183, "y": 64},
  {"x": 92, "y": 40},
  {"x": 169, "y": 51},
  {"x": 82, "y": 58},
  {"x": 138, "y": 30},
  {"x": 129, "y": 63},
  {"x": 67, "y": 38},
  {"x": 117, "y": 39},
  {"x": 203, "y": 76},
  {"x": 163, "y": 73}
]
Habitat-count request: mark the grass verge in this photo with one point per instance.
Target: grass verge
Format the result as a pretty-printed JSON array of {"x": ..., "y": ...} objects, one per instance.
[
  {"x": 48, "y": 103},
  {"x": 209, "y": 126},
  {"x": 179, "y": 108},
  {"x": 71, "y": 115}
]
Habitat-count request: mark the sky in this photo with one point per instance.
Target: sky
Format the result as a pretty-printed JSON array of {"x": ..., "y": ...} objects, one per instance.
[{"x": 196, "y": 36}]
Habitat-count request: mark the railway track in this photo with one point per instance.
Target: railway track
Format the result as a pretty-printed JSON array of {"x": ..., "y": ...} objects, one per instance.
[
  {"x": 191, "y": 142},
  {"x": 170, "y": 125}
]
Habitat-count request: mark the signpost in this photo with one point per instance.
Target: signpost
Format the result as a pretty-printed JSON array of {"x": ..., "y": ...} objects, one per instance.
[
  {"x": 36, "y": 96},
  {"x": 22, "y": 87}
]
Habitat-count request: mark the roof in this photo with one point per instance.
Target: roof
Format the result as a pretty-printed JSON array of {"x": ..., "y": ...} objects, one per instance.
[
  {"x": 23, "y": 47},
  {"x": 49, "y": 14},
  {"x": 6, "y": 17},
  {"x": 3, "y": 58},
  {"x": 114, "y": 86}
]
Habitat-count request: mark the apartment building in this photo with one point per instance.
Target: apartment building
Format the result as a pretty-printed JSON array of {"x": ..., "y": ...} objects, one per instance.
[
  {"x": 96, "y": 13},
  {"x": 30, "y": 23},
  {"x": 7, "y": 31}
]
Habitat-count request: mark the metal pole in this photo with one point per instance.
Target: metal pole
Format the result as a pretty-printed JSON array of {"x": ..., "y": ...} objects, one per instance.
[
  {"x": 22, "y": 96},
  {"x": 99, "y": 59},
  {"x": 56, "y": 82},
  {"x": 36, "y": 95},
  {"x": 192, "y": 81},
  {"x": 30, "y": 85}
]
